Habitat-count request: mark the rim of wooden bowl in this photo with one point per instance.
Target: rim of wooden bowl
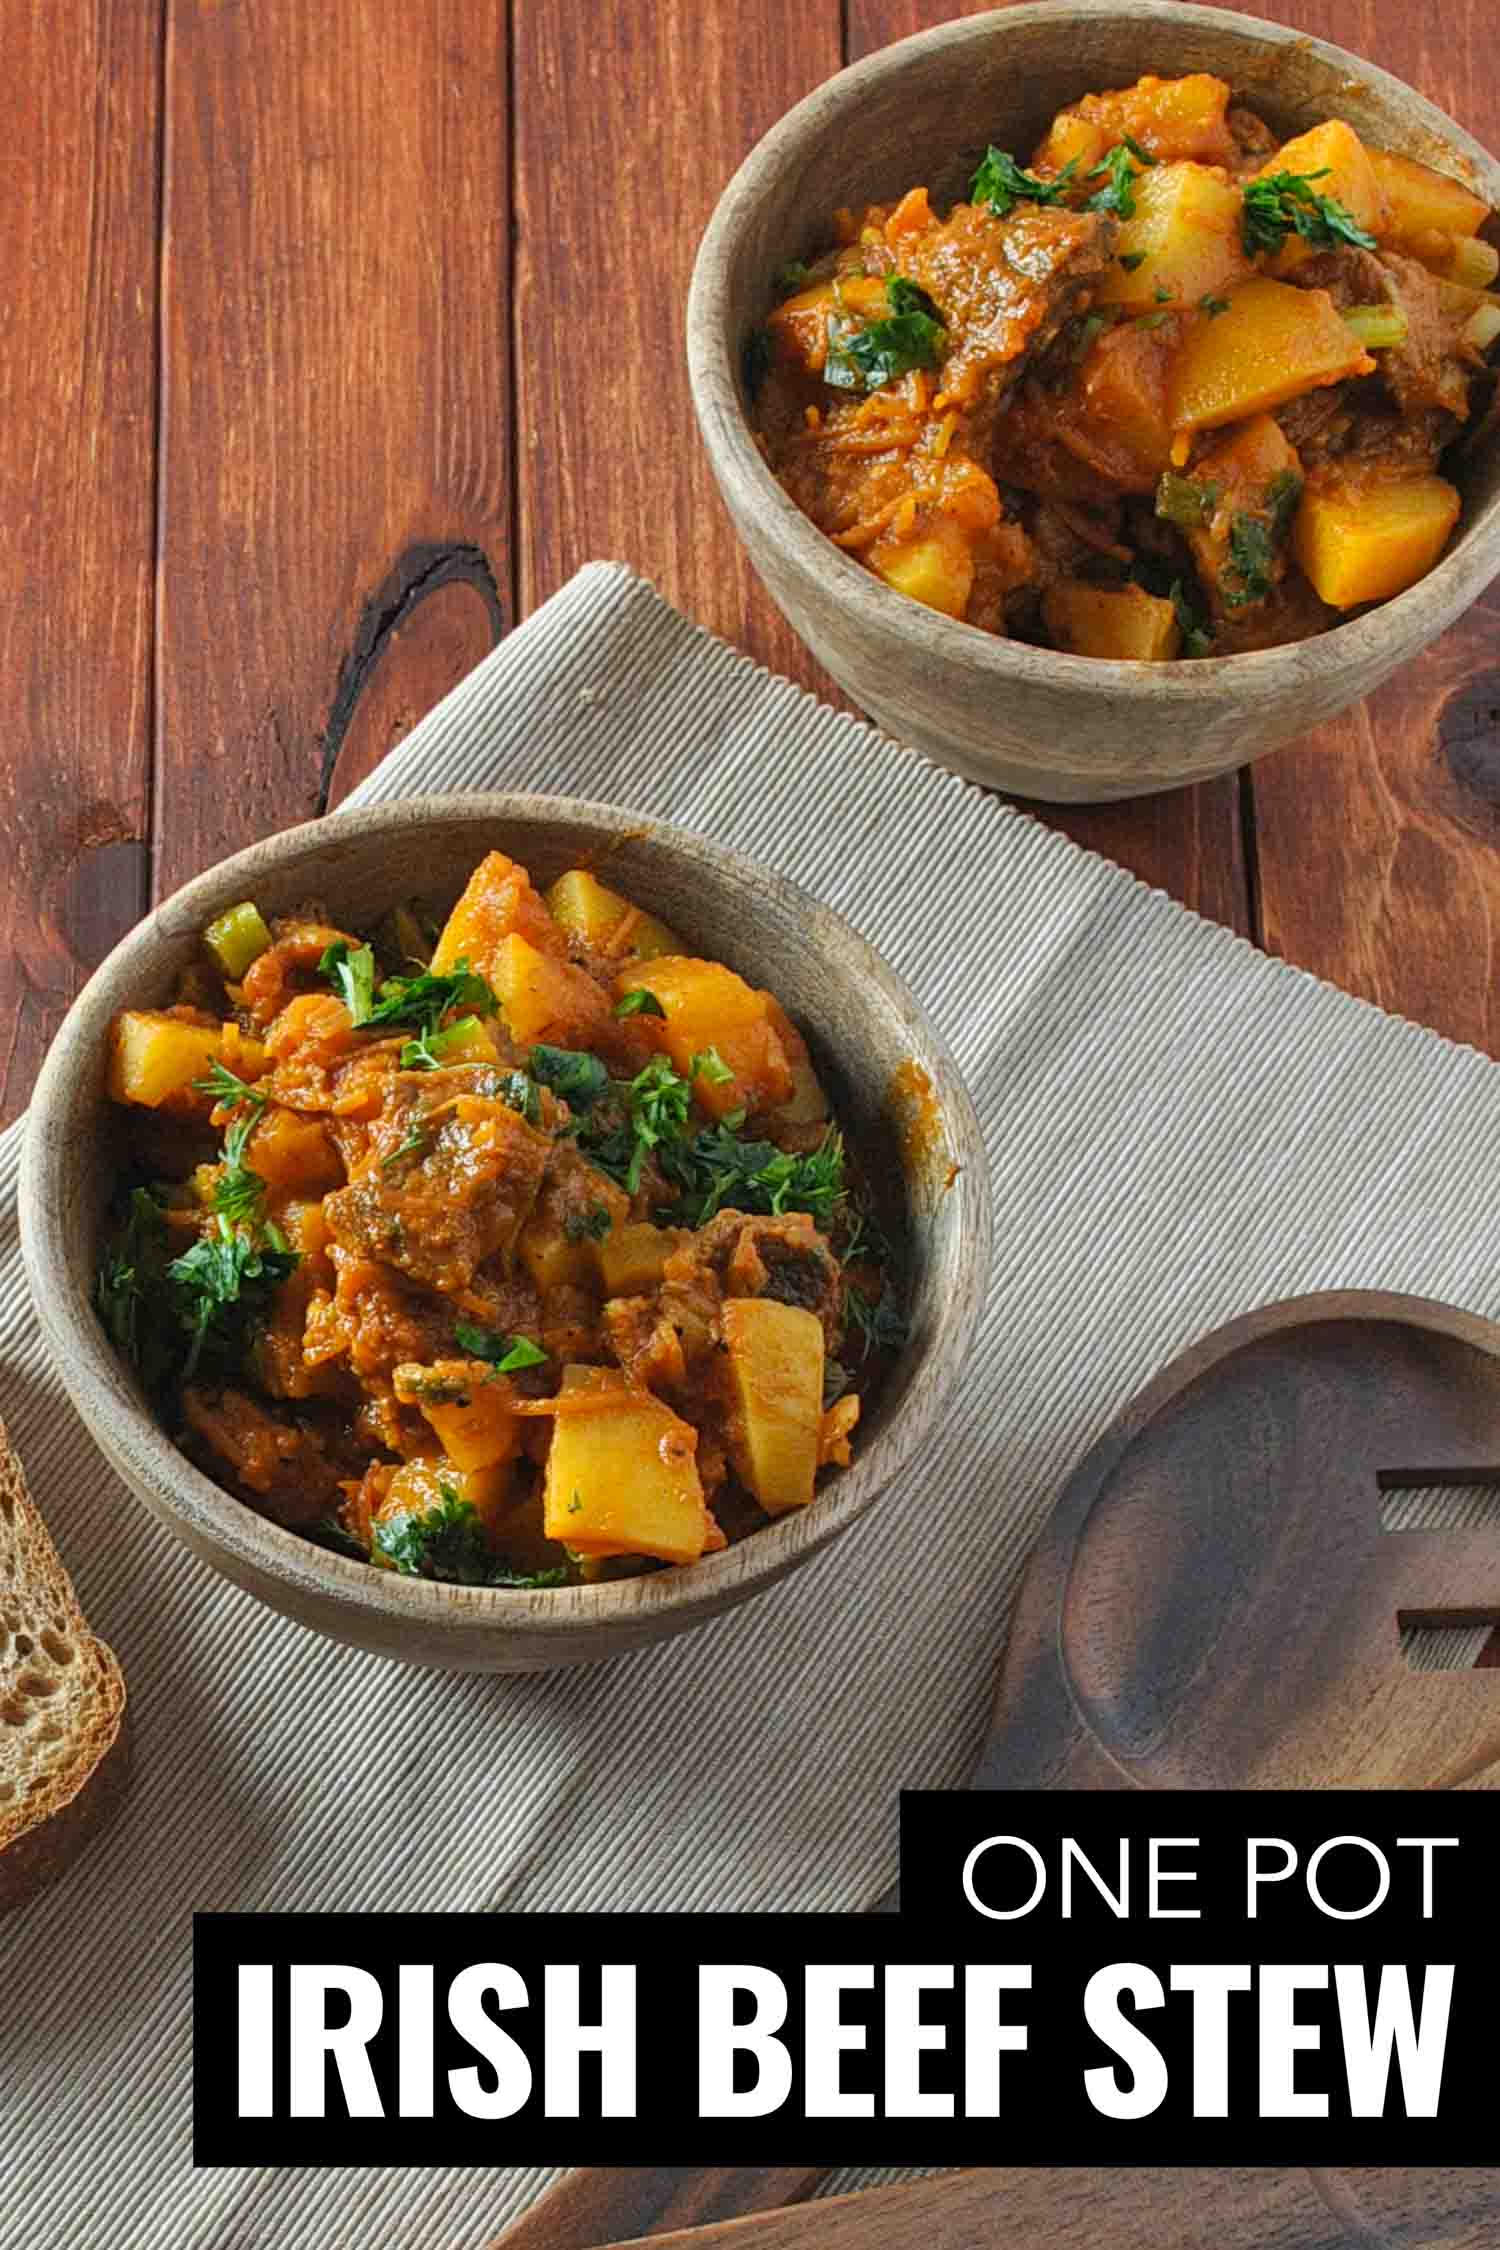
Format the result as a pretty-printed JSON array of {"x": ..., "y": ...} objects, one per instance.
[
  {"x": 70, "y": 1087},
  {"x": 713, "y": 354}
]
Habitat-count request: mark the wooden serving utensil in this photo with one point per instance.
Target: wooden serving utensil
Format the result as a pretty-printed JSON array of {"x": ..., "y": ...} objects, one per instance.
[
  {"x": 1232, "y": 2207},
  {"x": 604, "y": 2203},
  {"x": 1215, "y": 1604}
]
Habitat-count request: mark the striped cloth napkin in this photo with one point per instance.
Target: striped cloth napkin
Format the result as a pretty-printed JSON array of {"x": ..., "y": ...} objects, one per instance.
[{"x": 1179, "y": 1129}]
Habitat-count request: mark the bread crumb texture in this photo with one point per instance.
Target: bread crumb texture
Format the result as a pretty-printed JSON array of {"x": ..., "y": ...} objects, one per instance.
[{"x": 62, "y": 1694}]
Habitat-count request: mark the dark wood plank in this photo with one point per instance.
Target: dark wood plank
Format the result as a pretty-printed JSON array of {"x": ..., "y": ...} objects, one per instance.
[
  {"x": 77, "y": 463},
  {"x": 601, "y": 2203},
  {"x": 1214, "y": 1602},
  {"x": 624, "y": 142},
  {"x": 336, "y": 398},
  {"x": 1190, "y": 843}
]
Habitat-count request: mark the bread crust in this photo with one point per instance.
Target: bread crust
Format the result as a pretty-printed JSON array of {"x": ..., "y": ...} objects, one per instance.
[{"x": 70, "y": 1795}]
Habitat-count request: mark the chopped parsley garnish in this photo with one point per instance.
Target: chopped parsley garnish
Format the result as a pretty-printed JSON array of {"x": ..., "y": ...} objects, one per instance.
[
  {"x": 1283, "y": 496},
  {"x": 879, "y": 1321},
  {"x": 712, "y": 1066},
  {"x": 1132, "y": 260},
  {"x": 657, "y": 1103},
  {"x": 794, "y": 275},
  {"x": 716, "y": 1168},
  {"x": 225, "y": 1087},
  {"x": 517, "y": 1091},
  {"x": 1213, "y": 306},
  {"x": 1196, "y": 639},
  {"x": 1185, "y": 502},
  {"x": 588, "y": 1226},
  {"x": 577, "y": 1076},
  {"x": 866, "y": 358},
  {"x": 1285, "y": 202},
  {"x": 420, "y": 1002},
  {"x": 1250, "y": 574},
  {"x": 130, "y": 1280},
  {"x": 221, "y": 1291},
  {"x": 1090, "y": 329},
  {"x": 351, "y": 968},
  {"x": 431, "y": 1049},
  {"x": 415, "y": 1144},
  {"x": 1118, "y": 168},
  {"x": 1153, "y": 319},
  {"x": 506, "y": 1354},
  {"x": 640, "y": 1000},
  {"x": 448, "y": 1542},
  {"x": 239, "y": 1193},
  {"x": 1002, "y": 183}
]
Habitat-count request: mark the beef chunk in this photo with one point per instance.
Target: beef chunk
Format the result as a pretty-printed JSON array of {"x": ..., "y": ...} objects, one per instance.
[
  {"x": 460, "y": 1196},
  {"x": 280, "y": 1466},
  {"x": 1005, "y": 287},
  {"x": 783, "y": 1257},
  {"x": 1433, "y": 368},
  {"x": 1254, "y": 142}
]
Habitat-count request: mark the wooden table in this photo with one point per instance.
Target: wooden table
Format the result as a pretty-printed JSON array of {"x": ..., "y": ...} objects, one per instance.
[{"x": 336, "y": 336}]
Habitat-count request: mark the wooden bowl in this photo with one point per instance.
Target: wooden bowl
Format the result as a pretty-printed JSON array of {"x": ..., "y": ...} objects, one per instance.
[
  {"x": 1021, "y": 718},
  {"x": 863, "y": 1026}
]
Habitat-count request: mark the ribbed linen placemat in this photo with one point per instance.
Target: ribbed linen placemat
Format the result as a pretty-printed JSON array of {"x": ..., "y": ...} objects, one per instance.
[{"x": 1179, "y": 1129}]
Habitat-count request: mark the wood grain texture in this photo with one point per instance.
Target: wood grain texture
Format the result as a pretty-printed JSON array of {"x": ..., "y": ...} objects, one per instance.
[
  {"x": 625, "y": 138},
  {"x": 1131, "y": 2208},
  {"x": 600, "y": 2203},
  {"x": 336, "y": 397},
  {"x": 77, "y": 466},
  {"x": 1214, "y": 1602}
]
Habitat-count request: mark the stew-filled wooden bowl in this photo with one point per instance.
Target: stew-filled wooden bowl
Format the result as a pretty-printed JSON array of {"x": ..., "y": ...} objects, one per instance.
[
  {"x": 1004, "y": 711},
  {"x": 888, "y": 1078}
]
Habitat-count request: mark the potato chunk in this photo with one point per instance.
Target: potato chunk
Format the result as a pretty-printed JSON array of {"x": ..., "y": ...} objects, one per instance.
[
  {"x": 607, "y": 921},
  {"x": 470, "y": 1409},
  {"x": 631, "y": 1258},
  {"x": 578, "y": 1209},
  {"x": 622, "y": 1473},
  {"x": 1423, "y": 202},
  {"x": 776, "y": 1378},
  {"x": 1334, "y": 157},
  {"x": 1172, "y": 118},
  {"x": 421, "y": 1488},
  {"x": 704, "y": 1005},
  {"x": 546, "y": 1000},
  {"x": 936, "y": 569},
  {"x": 498, "y": 902},
  {"x": 1184, "y": 239},
  {"x": 1365, "y": 540},
  {"x": 1123, "y": 622},
  {"x": 155, "y": 1056},
  {"x": 1273, "y": 343}
]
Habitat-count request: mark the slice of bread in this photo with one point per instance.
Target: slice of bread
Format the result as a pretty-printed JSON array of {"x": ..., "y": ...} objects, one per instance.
[{"x": 64, "y": 1749}]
